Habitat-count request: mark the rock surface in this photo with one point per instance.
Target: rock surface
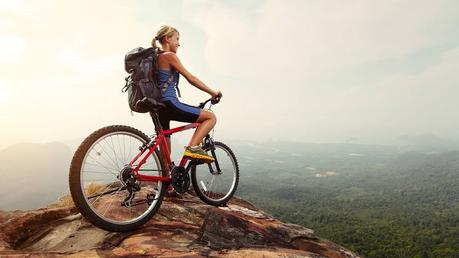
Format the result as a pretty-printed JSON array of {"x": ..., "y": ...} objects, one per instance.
[{"x": 182, "y": 228}]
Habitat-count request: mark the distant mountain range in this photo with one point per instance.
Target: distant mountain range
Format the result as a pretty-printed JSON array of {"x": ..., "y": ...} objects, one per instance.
[
  {"x": 33, "y": 175},
  {"x": 36, "y": 174}
]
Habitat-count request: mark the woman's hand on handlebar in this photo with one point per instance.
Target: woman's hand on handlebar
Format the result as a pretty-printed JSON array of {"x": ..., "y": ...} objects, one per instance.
[{"x": 216, "y": 96}]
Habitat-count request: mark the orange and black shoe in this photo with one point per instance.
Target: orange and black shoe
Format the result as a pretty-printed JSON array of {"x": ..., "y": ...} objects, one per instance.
[{"x": 197, "y": 153}]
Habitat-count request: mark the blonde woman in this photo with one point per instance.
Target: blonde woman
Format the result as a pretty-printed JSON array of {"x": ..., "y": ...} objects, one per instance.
[{"x": 170, "y": 67}]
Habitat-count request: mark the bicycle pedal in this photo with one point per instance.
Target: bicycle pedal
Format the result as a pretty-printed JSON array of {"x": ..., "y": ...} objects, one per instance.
[
  {"x": 197, "y": 162},
  {"x": 151, "y": 198}
]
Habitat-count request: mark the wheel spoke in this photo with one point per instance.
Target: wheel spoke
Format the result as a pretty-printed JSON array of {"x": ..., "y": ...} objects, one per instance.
[
  {"x": 109, "y": 192},
  {"x": 111, "y": 201},
  {"x": 124, "y": 147},
  {"x": 114, "y": 152},
  {"x": 98, "y": 172},
  {"x": 210, "y": 185},
  {"x": 102, "y": 192},
  {"x": 130, "y": 148},
  {"x": 119, "y": 148},
  {"x": 113, "y": 162},
  {"x": 98, "y": 164}
]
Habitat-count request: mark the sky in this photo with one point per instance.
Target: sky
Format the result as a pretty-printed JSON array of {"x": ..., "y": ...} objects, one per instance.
[{"x": 312, "y": 71}]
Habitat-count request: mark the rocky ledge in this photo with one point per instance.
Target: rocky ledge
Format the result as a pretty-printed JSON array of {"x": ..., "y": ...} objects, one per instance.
[{"x": 182, "y": 228}]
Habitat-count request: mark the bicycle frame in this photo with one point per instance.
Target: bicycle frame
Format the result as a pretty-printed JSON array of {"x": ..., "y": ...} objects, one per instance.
[{"x": 159, "y": 140}]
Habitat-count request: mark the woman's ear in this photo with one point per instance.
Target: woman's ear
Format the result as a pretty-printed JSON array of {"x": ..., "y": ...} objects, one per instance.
[{"x": 167, "y": 39}]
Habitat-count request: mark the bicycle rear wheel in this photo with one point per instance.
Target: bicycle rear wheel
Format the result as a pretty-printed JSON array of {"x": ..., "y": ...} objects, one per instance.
[
  {"x": 103, "y": 186},
  {"x": 216, "y": 183}
]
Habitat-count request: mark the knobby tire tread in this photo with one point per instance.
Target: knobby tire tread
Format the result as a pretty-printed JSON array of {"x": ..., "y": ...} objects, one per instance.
[{"x": 75, "y": 184}]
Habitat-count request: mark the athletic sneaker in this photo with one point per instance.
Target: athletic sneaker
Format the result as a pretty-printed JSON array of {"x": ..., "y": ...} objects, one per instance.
[{"x": 197, "y": 153}]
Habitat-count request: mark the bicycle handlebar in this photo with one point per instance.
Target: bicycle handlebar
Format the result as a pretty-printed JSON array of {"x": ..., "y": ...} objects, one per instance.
[
  {"x": 212, "y": 101},
  {"x": 202, "y": 104}
]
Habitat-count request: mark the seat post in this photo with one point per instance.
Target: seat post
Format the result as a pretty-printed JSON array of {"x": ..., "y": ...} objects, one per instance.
[{"x": 156, "y": 122}]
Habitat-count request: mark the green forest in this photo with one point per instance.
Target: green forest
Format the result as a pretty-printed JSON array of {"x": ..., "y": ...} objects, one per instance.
[{"x": 374, "y": 200}]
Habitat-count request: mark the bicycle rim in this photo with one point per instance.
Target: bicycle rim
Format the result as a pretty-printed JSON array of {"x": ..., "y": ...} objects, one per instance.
[
  {"x": 217, "y": 187},
  {"x": 102, "y": 179}
]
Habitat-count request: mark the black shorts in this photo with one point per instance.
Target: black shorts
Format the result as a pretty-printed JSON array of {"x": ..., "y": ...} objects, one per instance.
[{"x": 177, "y": 111}]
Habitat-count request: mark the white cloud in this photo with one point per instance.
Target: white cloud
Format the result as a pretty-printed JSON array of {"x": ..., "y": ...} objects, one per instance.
[
  {"x": 312, "y": 39},
  {"x": 90, "y": 67},
  {"x": 4, "y": 94},
  {"x": 15, "y": 7},
  {"x": 288, "y": 69},
  {"x": 297, "y": 64},
  {"x": 12, "y": 49}
]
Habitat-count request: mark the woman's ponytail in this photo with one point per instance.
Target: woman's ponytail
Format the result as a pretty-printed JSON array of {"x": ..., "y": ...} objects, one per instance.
[{"x": 153, "y": 42}]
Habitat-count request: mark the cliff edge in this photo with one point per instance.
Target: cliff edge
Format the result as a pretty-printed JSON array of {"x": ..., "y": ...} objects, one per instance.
[{"x": 182, "y": 228}]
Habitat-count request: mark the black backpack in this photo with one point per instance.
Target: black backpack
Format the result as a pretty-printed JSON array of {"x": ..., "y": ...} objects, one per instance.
[{"x": 144, "y": 93}]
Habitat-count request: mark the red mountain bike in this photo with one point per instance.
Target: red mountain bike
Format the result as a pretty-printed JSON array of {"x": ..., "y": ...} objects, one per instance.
[{"x": 119, "y": 175}]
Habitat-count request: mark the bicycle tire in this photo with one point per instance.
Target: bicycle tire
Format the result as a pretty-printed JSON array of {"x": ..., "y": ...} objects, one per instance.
[
  {"x": 77, "y": 185},
  {"x": 201, "y": 189}
]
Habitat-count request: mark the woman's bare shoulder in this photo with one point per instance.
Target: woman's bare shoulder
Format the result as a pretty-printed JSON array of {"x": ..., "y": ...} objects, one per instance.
[{"x": 168, "y": 54}]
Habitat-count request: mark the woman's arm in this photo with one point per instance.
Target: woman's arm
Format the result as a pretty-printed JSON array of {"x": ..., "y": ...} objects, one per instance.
[{"x": 175, "y": 63}]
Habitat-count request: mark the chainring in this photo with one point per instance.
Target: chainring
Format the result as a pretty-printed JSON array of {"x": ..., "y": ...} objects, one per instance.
[{"x": 180, "y": 179}]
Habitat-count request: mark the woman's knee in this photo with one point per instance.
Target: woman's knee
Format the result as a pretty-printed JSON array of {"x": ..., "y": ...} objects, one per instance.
[
  {"x": 206, "y": 115},
  {"x": 213, "y": 118}
]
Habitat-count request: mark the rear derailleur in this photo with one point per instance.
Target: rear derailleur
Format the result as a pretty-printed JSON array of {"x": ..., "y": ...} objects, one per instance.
[{"x": 130, "y": 183}]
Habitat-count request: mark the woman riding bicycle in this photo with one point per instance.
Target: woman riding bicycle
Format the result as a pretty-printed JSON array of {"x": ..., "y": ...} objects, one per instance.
[
  {"x": 170, "y": 67},
  {"x": 119, "y": 176}
]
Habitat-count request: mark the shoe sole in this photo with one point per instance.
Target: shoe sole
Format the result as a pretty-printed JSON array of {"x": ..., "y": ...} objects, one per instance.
[{"x": 199, "y": 157}]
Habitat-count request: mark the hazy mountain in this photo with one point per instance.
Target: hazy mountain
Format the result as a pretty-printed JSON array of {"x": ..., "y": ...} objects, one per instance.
[
  {"x": 33, "y": 174},
  {"x": 37, "y": 174},
  {"x": 427, "y": 143}
]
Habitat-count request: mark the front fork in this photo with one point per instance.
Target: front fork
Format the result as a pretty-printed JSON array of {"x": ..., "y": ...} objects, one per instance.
[{"x": 209, "y": 144}]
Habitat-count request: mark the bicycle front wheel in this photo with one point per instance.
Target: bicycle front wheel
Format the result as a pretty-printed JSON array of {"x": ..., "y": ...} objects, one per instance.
[
  {"x": 103, "y": 185},
  {"x": 216, "y": 183}
]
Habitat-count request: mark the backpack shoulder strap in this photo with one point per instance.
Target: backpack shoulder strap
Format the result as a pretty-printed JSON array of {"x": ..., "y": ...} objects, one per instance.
[
  {"x": 168, "y": 82},
  {"x": 176, "y": 86},
  {"x": 171, "y": 78}
]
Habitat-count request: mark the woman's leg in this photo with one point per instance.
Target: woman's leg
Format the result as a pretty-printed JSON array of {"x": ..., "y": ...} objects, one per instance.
[
  {"x": 208, "y": 121},
  {"x": 164, "y": 120}
]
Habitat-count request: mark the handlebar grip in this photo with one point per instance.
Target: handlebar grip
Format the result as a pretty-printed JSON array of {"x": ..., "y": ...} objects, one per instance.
[{"x": 217, "y": 99}]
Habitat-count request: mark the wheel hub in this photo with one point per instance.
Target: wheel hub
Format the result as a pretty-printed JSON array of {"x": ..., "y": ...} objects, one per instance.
[{"x": 125, "y": 174}]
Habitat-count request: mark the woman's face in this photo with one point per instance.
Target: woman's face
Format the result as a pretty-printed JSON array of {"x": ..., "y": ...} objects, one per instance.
[{"x": 174, "y": 42}]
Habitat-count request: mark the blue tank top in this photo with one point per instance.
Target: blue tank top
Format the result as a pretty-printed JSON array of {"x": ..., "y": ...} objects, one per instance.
[{"x": 171, "y": 92}]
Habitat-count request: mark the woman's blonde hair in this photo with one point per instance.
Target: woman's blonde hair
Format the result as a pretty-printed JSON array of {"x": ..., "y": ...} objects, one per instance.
[{"x": 164, "y": 31}]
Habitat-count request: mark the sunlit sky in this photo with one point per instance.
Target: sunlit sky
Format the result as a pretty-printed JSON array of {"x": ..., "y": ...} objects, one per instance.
[{"x": 311, "y": 71}]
